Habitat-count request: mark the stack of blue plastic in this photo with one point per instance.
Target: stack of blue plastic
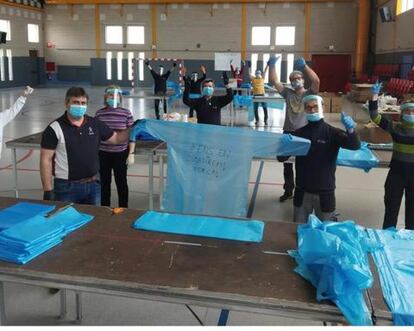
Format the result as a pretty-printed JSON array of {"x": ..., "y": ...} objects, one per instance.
[{"x": 34, "y": 233}]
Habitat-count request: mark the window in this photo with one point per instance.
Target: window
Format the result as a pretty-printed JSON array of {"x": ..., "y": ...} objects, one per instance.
[
  {"x": 254, "y": 59},
  {"x": 261, "y": 35},
  {"x": 119, "y": 57},
  {"x": 113, "y": 34},
  {"x": 5, "y": 27},
  {"x": 2, "y": 75},
  {"x": 265, "y": 59},
  {"x": 290, "y": 60},
  {"x": 141, "y": 66},
  {"x": 285, "y": 35},
  {"x": 136, "y": 35},
  {"x": 406, "y": 5},
  {"x": 10, "y": 63},
  {"x": 108, "y": 65},
  {"x": 32, "y": 33},
  {"x": 130, "y": 66}
]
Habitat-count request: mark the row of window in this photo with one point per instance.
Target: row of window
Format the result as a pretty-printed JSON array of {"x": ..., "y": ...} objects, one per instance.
[
  {"x": 32, "y": 31},
  {"x": 407, "y": 5},
  {"x": 3, "y": 59},
  {"x": 284, "y": 35}
]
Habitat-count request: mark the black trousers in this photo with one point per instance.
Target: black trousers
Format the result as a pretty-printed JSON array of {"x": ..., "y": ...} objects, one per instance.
[
  {"x": 256, "y": 110},
  {"x": 396, "y": 184},
  {"x": 157, "y": 106},
  {"x": 288, "y": 175},
  {"x": 117, "y": 162}
]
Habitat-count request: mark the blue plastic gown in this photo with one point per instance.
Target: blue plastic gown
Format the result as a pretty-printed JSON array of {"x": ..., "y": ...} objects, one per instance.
[
  {"x": 177, "y": 92},
  {"x": 202, "y": 226},
  {"x": 395, "y": 265},
  {"x": 362, "y": 158},
  {"x": 22, "y": 211},
  {"x": 333, "y": 257},
  {"x": 209, "y": 165},
  {"x": 247, "y": 102}
]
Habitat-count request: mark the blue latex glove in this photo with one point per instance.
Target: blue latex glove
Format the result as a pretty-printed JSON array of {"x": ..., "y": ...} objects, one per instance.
[
  {"x": 300, "y": 64},
  {"x": 347, "y": 121},
  {"x": 376, "y": 88},
  {"x": 286, "y": 138},
  {"x": 272, "y": 60}
]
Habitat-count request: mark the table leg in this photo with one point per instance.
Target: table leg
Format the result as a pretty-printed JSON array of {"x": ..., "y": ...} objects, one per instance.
[
  {"x": 161, "y": 178},
  {"x": 63, "y": 305},
  {"x": 14, "y": 164},
  {"x": 2, "y": 305},
  {"x": 151, "y": 181},
  {"x": 79, "y": 307}
]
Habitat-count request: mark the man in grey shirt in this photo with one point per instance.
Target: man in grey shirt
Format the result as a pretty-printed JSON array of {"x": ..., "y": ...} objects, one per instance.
[{"x": 295, "y": 116}]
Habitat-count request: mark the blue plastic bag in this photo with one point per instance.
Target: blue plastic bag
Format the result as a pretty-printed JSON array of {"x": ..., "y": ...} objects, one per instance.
[
  {"x": 333, "y": 257},
  {"x": 395, "y": 265},
  {"x": 22, "y": 211},
  {"x": 202, "y": 226},
  {"x": 177, "y": 92},
  {"x": 209, "y": 165},
  {"x": 362, "y": 158}
]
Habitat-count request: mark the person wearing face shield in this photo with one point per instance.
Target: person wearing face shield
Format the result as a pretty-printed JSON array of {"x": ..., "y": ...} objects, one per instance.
[
  {"x": 69, "y": 155},
  {"x": 160, "y": 85},
  {"x": 315, "y": 172},
  {"x": 208, "y": 106},
  {"x": 195, "y": 84},
  {"x": 400, "y": 178},
  {"x": 114, "y": 157},
  {"x": 257, "y": 82},
  {"x": 295, "y": 116}
]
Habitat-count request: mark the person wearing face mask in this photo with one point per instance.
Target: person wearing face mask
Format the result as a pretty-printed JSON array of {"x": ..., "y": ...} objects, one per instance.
[
  {"x": 295, "y": 116},
  {"x": 258, "y": 90},
  {"x": 70, "y": 152},
  {"x": 160, "y": 85},
  {"x": 114, "y": 157},
  {"x": 195, "y": 84},
  {"x": 315, "y": 172},
  {"x": 208, "y": 107},
  {"x": 7, "y": 115},
  {"x": 400, "y": 178}
]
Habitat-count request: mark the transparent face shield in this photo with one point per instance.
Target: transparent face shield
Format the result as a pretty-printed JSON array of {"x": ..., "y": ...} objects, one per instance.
[
  {"x": 161, "y": 70},
  {"x": 313, "y": 106},
  {"x": 113, "y": 97}
]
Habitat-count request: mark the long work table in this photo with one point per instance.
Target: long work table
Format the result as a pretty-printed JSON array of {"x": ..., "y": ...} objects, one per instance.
[{"x": 107, "y": 256}]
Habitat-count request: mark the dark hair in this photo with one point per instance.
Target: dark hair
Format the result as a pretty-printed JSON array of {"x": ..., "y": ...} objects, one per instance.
[
  {"x": 75, "y": 91},
  {"x": 207, "y": 80}
]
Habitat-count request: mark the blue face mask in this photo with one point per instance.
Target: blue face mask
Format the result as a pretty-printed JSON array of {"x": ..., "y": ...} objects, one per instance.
[
  {"x": 112, "y": 102},
  {"x": 408, "y": 118},
  {"x": 314, "y": 117},
  {"x": 77, "y": 111},
  {"x": 208, "y": 91}
]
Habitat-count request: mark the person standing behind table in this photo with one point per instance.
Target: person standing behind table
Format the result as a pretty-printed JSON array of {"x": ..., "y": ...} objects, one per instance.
[
  {"x": 208, "y": 107},
  {"x": 6, "y": 116},
  {"x": 195, "y": 84},
  {"x": 114, "y": 157},
  {"x": 315, "y": 172},
  {"x": 160, "y": 85},
  {"x": 237, "y": 73},
  {"x": 259, "y": 90},
  {"x": 70, "y": 152},
  {"x": 295, "y": 116},
  {"x": 400, "y": 178}
]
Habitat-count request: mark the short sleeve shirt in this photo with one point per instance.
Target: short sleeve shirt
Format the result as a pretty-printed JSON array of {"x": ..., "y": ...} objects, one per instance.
[
  {"x": 77, "y": 148},
  {"x": 295, "y": 117}
]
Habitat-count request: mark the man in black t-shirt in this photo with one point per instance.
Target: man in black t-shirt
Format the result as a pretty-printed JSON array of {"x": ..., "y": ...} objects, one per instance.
[
  {"x": 70, "y": 152},
  {"x": 160, "y": 85}
]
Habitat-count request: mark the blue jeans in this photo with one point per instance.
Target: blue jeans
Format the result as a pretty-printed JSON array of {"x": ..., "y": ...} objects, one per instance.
[{"x": 84, "y": 193}]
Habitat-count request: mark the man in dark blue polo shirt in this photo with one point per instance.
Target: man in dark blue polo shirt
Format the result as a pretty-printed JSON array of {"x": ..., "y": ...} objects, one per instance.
[{"x": 70, "y": 152}]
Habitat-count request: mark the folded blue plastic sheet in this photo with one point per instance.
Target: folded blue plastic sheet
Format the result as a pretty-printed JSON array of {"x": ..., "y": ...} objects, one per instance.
[
  {"x": 333, "y": 257},
  {"x": 209, "y": 165},
  {"x": 362, "y": 158},
  {"x": 33, "y": 236},
  {"x": 395, "y": 265},
  {"x": 201, "y": 226},
  {"x": 22, "y": 211}
]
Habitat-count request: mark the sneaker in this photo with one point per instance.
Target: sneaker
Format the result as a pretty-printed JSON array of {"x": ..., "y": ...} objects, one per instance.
[
  {"x": 265, "y": 123},
  {"x": 256, "y": 123},
  {"x": 286, "y": 196}
]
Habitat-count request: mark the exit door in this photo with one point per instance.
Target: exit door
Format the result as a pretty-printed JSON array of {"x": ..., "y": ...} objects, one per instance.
[{"x": 334, "y": 71}]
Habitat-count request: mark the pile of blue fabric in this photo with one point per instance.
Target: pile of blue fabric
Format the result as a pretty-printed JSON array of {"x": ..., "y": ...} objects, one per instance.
[
  {"x": 333, "y": 257},
  {"x": 27, "y": 232}
]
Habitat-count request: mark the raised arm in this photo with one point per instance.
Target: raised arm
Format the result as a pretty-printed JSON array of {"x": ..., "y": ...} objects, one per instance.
[
  {"x": 301, "y": 65},
  {"x": 273, "y": 79},
  {"x": 11, "y": 113},
  {"x": 381, "y": 121},
  {"x": 186, "y": 95}
]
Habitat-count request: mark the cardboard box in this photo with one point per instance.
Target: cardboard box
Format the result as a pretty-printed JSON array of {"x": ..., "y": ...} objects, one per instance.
[
  {"x": 361, "y": 92},
  {"x": 336, "y": 103},
  {"x": 326, "y": 96}
]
